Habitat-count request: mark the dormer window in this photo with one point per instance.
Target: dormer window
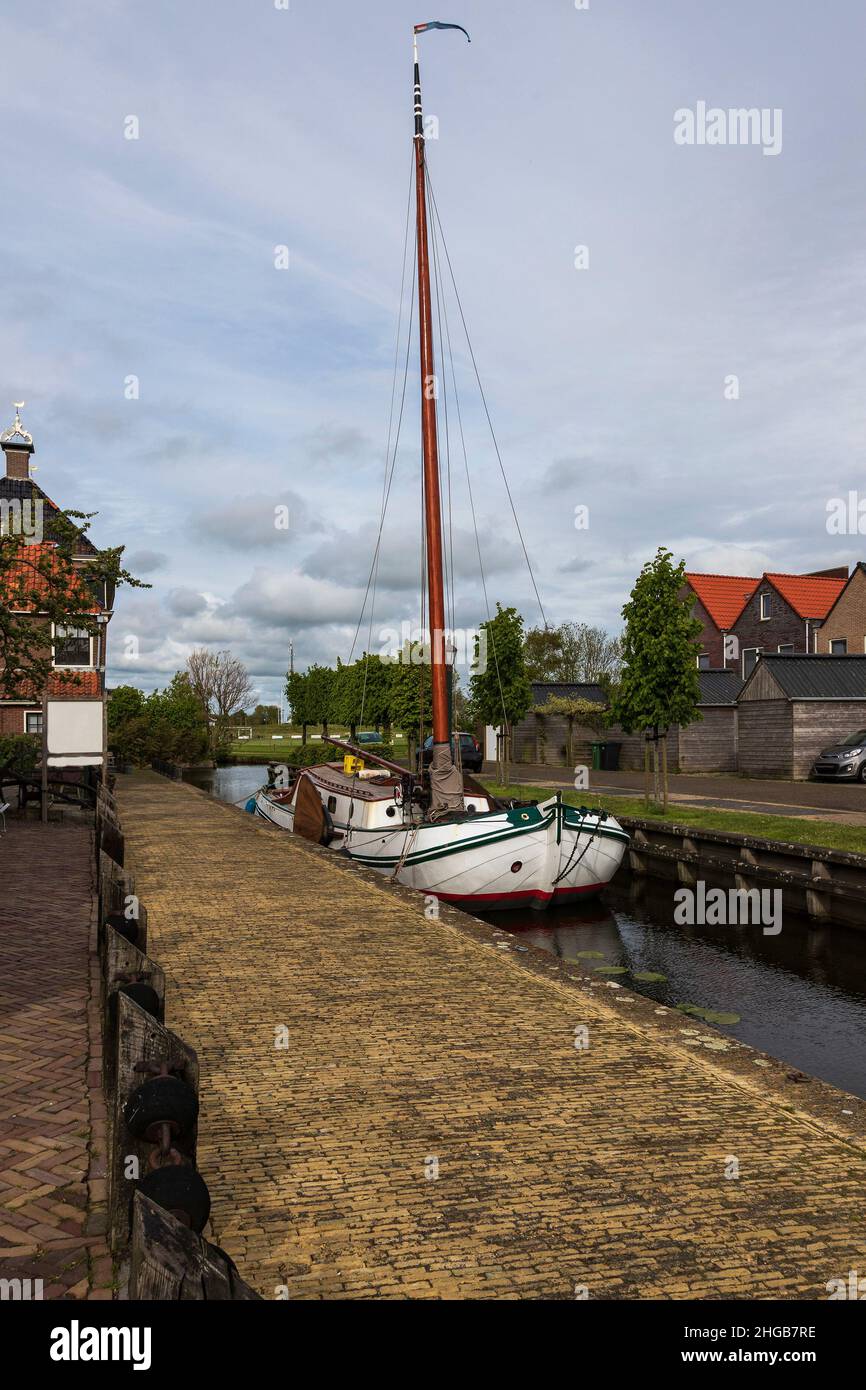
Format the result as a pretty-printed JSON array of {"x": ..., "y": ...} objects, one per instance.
[
  {"x": 71, "y": 647},
  {"x": 765, "y": 607}
]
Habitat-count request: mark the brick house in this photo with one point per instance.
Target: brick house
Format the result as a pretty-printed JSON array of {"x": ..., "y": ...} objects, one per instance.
[
  {"x": 719, "y": 600},
  {"x": 767, "y": 613},
  {"x": 783, "y": 615},
  {"x": 77, "y": 655},
  {"x": 843, "y": 631}
]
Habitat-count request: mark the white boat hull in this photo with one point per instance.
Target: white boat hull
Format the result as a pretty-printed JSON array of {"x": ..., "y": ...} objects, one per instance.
[
  {"x": 522, "y": 856},
  {"x": 528, "y": 856}
]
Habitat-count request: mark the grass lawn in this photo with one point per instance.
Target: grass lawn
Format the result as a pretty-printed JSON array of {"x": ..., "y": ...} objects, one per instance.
[
  {"x": 263, "y": 745},
  {"x": 790, "y": 829}
]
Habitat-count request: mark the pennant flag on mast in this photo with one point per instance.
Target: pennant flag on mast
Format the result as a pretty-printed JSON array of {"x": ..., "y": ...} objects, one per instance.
[{"x": 437, "y": 24}]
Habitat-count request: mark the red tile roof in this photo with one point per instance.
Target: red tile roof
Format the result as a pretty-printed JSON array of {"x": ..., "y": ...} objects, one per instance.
[
  {"x": 22, "y": 578},
  {"x": 723, "y": 595},
  {"x": 77, "y": 685},
  {"x": 809, "y": 597},
  {"x": 84, "y": 685}
]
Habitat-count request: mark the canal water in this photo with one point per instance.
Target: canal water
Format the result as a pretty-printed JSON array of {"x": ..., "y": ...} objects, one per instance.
[{"x": 800, "y": 996}]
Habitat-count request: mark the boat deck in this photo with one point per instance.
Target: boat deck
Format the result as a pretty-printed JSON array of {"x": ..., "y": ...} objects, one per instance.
[{"x": 432, "y": 1129}]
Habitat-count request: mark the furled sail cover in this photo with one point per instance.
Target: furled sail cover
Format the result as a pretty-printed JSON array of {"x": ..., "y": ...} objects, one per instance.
[{"x": 446, "y": 783}]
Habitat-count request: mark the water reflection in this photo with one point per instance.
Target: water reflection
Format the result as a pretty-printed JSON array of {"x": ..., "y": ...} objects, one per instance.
[
  {"x": 235, "y": 784},
  {"x": 801, "y": 995}
]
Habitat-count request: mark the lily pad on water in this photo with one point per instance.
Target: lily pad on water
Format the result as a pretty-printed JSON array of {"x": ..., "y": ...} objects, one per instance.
[
  {"x": 610, "y": 970},
  {"x": 649, "y": 977},
  {"x": 590, "y": 955},
  {"x": 708, "y": 1015}
]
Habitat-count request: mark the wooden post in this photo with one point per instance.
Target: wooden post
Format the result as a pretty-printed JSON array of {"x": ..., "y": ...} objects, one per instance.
[
  {"x": 44, "y": 797},
  {"x": 140, "y": 1038},
  {"x": 170, "y": 1263},
  {"x": 121, "y": 960}
]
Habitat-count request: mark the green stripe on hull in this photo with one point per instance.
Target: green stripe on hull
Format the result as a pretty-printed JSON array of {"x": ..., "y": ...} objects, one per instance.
[{"x": 462, "y": 846}]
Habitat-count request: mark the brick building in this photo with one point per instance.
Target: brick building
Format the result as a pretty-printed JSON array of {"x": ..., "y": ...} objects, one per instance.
[
  {"x": 719, "y": 600},
  {"x": 782, "y": 617},
  {"x": 78, "y": 656},
  {"x": 744, "y": 616},
  {"x": 843, "y": 631}
]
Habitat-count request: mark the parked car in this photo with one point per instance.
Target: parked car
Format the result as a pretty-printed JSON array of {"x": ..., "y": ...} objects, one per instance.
[
  {"x": 369, "y": 736},
  {"x": 844, "y": 761},
  {"x": 471, "y": 755}
]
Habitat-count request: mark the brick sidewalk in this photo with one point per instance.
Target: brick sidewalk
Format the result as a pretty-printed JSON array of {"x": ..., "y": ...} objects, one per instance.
[
  {"x": 411, "y": 1041},
  {"x": 52, "y": 1120}
]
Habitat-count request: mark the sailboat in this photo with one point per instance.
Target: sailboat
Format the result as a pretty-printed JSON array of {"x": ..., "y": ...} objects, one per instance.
[{"x": 442, "y": 833}]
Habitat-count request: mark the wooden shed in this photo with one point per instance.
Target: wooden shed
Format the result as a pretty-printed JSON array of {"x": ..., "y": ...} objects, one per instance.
[
  {"x": 541, "y": 738},
  {"x": 710, "y": 744},
  {"x": 791, "y": 707}
]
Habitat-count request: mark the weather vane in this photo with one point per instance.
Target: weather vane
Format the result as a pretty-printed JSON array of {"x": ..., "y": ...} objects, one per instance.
[{"x": 16, "y": 428}]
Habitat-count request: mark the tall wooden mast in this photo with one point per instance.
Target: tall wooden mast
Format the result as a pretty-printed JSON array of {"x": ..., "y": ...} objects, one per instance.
[{"x": 432, "y": 501}]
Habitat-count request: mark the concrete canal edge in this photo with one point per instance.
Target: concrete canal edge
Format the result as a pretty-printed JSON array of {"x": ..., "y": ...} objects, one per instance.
[
  {"x": 827, "y": 885},
  {"x": 179, "y": 839}
]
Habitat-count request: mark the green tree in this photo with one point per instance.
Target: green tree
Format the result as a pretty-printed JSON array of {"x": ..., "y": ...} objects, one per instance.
[
  {"x": 659, "y": 685},
  {"x": 501, "y": 692},
  {"x": 128, "y": 725},
  {"x": 320, "y": 690},
  {"x": 297, "y": 692},
  {"x": 19, "y": 754},
  {"x": 574, "y": 711},
  {"x": 345, "y": 704},
  {"x": 542, "y": 653},
  {"x": 44, "y": 584},
  {"x": 178, "y": 730},
  {"x": 168, "y": 724},
  {"x": 377, "y": 686},
  {"x": 409, "y": 699}
]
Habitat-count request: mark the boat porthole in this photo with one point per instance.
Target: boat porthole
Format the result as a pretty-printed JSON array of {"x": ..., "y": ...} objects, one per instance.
[
  {"x": 516, "y": 866},
  {"x": 524, "y": 815},
  {"x": 390, "y": 810},
  {"x": 471, "y": 808}
]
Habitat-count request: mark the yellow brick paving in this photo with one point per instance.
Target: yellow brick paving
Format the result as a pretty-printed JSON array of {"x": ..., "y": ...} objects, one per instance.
[{"x": 411, "y": 1041}]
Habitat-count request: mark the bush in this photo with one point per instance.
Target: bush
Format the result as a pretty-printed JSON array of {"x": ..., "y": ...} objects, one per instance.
[
  {"x": 18, "y": 754},
  {"x": 308, "y": 754}
]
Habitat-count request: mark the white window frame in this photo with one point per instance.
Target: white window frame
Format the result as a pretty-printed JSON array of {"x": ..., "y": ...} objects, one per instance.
[
  {"x": 746, "y": 650},
  {"x": 765, "y": 617},
  {"x": 65, "y": 666},
  {"x": 830, "y": 642},
  {"x": 785, "y": 647},
  {"x": 32, "y": 714}
]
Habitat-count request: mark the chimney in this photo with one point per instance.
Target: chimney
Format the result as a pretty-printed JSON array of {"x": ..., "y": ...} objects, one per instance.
[{"x": 17, "y": 445}]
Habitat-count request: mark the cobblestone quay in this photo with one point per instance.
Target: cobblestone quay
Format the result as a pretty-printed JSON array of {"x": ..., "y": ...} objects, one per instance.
[{"x": 395, "y": 1107}]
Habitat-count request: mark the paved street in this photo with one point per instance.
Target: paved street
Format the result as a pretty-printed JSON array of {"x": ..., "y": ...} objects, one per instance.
[
  {"x": 52, "y": 1120},
  {"x": 820, "y": 800},
  {"x": 395, "y": 1107}
]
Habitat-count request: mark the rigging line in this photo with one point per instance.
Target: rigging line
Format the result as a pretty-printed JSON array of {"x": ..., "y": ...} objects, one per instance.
[
  {"x": 386, "y": 485},
  {"x": 486, "y": 408},
  {"x": 472, "y": 512}
]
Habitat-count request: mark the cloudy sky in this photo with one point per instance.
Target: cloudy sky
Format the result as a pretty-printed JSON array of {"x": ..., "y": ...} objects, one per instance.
[{"x": 260, "y": 387}]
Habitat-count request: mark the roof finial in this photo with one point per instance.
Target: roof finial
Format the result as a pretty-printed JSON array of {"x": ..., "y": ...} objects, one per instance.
[{"x": 16, "y": 429}]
